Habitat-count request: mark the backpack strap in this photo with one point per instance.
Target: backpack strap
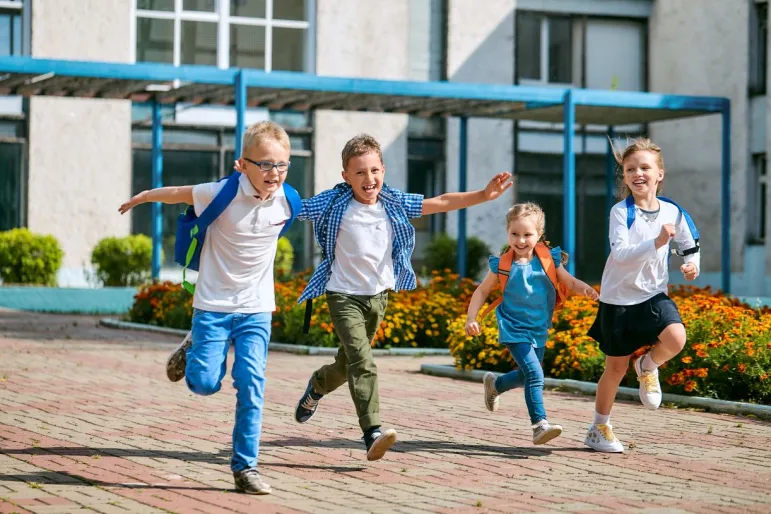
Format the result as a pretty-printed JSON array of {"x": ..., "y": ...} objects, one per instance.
[
  {"x": 207, "y": 217},
  {"x": 630, "y": 216},
  {"x": 544, "y": 255},
  {"x": 504, "y": 268},
  {"x": 295, "y": 206}
]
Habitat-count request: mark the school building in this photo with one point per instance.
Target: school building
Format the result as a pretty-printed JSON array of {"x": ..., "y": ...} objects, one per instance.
[{"x": 67, "y": 164}]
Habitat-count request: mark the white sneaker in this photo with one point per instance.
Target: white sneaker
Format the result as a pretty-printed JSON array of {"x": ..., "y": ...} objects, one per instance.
[
  {"x": 601, "y": 438},
  {"x": 650, "y": 389},
  {"x": 543, "y": 432},
  {"x": 491, "y": 395}
]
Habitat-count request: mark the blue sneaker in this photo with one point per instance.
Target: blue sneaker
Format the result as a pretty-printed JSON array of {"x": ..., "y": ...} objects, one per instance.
[{"x": 307, "y": 405}]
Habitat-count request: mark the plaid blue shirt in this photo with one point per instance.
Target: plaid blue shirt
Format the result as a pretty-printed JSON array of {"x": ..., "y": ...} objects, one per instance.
[{"x": 326, "y": 211}]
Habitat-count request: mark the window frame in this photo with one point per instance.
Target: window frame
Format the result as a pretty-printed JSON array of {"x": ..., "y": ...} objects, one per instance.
[{"x": 221, "y": 16}]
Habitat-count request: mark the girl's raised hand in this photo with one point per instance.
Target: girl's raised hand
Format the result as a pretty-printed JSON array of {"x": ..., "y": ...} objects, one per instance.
[{"x": 690, "y": 271}]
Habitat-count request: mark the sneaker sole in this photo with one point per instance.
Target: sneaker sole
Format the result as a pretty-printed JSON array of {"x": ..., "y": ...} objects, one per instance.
[
  {"x": 548, "y": 436},
  {"x": 489, "y": 388},
  {"x": 382, "y": 445},
  {"x": 603, "y": 450},
  {"x": 261, "y": 492},
  {"x": 174, "y": 359},
  {"x": 298, "y": 406}
]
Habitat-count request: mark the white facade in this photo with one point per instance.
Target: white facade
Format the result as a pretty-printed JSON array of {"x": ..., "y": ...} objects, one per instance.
[{"x": 80, "y": 153}]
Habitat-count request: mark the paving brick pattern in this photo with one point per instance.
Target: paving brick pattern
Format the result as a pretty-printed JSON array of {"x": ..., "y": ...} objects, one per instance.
[{"x": 89, "y": 421}]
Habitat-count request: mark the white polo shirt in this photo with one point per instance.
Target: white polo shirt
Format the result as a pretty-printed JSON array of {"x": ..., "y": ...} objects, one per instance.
[
  {"x": 236, "y": 269},
  {"x": 636, "y": 271}
]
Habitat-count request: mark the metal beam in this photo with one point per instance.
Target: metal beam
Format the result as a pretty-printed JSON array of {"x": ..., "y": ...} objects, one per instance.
[
  {"x": 610, "y": 186},
  {"x": 240, "y": 112},
  {"x": 726, "y": 203},
  {"x": 157, "y": 181},
  {"x": 569, "y": 182},
  {"x": 462, "y": 171}
]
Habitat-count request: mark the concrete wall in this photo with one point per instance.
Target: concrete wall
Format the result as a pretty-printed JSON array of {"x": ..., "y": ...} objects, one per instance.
[
  {"x": 481, "y": 50},
  {"x": 79, "y": 150},
  {"x": 685, "y": 59},
  {"x": 355, "y": 40}
]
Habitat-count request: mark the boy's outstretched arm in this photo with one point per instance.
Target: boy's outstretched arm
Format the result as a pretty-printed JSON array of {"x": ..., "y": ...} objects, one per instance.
[
  {"x": 454, "y": 201},
  {"x": 477, "y": 300},
  {"x": 173, "y": 194},
  {"x": 575, "y": 285}
]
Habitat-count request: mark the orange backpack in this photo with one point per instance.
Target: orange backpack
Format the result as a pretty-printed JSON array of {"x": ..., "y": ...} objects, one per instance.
[{"x": 543, "y": 254}]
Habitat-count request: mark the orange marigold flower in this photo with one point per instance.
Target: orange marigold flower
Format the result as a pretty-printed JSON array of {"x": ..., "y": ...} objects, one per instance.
[
  {"x": 690, "y": 386},
  {"x": 686, "y": 360}
]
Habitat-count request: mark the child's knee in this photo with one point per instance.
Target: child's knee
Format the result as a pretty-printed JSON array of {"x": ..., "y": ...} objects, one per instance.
[
  {"x": 616, "y": 367},
  {"x": 674, "y": 337},
  {"x": 203, "y": 384}
]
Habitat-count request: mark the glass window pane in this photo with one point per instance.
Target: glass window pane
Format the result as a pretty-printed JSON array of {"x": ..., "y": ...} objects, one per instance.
[
  {"x": 247, "y": 47},
  {"x": 289, "y": 49},
  {"x": 560, "y": 50},
  {"x": 10, "y": 186},
  {"x": 248, "y": 8},
  {"x": 10, "y": 34},
  {"x": 528, "y": 50},
  {"x": 290, "y": 119},
  {"x": 199, "y": 43},
  {"x": 289, "y": 10},
  {"x": 180, "y": 168},
  {"x": 155, "y": 40},
  {"x": 199, "y": 5},
  {"x": 156, "y": 5}
]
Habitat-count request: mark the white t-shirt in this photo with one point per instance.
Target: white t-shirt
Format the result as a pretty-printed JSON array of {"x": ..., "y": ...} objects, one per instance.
[
  {"x": 236, "y": 269},
  {"x": 363, "y": 262},
  {"x": 636, "y": 271}
]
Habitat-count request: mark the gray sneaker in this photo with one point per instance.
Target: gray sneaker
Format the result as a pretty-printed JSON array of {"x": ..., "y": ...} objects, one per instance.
[
  {"x": 175, "y": 366},
  {"x": 543, "y": 432},
  {"x": 248, "y": 481},
  {"x": 491, "y": 395}
]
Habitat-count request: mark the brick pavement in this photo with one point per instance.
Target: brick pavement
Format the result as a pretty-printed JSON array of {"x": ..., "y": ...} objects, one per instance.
[{"x": 89, "y": 421}]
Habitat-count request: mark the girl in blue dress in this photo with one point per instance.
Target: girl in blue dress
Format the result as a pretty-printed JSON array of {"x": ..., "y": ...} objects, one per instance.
[{"x": 535, "y": 279}]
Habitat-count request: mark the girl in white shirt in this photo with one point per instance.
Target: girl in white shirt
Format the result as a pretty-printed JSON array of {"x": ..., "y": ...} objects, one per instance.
[{"x": 635, "y": 310}]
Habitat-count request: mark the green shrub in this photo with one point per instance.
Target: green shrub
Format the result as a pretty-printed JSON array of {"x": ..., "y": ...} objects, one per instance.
[
  {"x": 284, "y": 258},
  {"x": 27, "y": 258},
  {"x": 123, "y": 261},
  {"x": 442, "y": 254}
]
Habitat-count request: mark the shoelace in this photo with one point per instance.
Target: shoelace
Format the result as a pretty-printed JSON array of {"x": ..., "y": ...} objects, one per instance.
[
  {"x": 309, "y": 403},
  {"x": 606, "y": 432},
  {"x": 650, "y": 382}
]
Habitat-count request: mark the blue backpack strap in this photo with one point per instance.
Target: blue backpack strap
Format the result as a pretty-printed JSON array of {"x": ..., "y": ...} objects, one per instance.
[
  {"x": 295, "y": 206},
  {"x": 207, "y": 217},
  {"x": 629, "y": 212},
  {"x": 691, "y": 227}
]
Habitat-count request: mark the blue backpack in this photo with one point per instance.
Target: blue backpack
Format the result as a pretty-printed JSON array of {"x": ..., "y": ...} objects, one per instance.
[
  {"x": 191, "y": 229},
  {"x": 630, "y": 215}
]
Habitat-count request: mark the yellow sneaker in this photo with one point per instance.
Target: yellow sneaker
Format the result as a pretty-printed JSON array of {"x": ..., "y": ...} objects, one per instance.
[
  {"x": 650, "y": 389},
  {"x": 601, "y": 438}
]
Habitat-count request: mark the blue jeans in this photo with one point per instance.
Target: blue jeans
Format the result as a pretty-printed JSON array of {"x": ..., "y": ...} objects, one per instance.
[
  {"x": 529, "y": 374},
  {"x": 206, "y": 367}
]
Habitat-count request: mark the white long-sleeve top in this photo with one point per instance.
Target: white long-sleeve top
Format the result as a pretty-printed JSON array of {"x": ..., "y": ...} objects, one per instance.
[{"x": 636, "y": 271}]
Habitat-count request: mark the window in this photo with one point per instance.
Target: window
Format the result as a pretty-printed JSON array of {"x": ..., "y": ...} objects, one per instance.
[
  {"x": 544, "y": 48},
  {"x": 10, "y": 28},
  {"x": 757, "y": 190},
  {"x": 262, "y": 34},
  {"x": 193, "y": 156},
  {"x": 758, "y": 47},
  {"x": 13, "y": 180}
]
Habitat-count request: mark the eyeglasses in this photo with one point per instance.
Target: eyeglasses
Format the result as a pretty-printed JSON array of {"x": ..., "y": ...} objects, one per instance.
[{"x": 281, "y": 167}]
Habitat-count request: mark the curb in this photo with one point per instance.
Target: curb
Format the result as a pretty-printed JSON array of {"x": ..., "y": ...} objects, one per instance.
[
  {"x": 296, "y": 349},
  {"x": 710, "y": 404}
]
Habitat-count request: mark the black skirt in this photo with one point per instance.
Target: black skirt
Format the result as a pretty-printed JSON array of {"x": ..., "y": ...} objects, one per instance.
[{"x": 623, "y": 329}]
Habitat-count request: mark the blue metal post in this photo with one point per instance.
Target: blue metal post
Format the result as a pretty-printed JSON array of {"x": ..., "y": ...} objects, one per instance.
[
  {"x": 726, "y": 203},
  {"x": 462, "y": 163},
  {"x": 157, "y": 181},
  {"x": 240, "y": 111},
  {"x": 610, "y": 186},
  {"x": 569, "y": 182}
]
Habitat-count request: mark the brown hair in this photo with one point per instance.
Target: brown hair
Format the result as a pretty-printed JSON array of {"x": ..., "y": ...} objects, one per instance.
[
  {"x": 640, "y": 144},
  {"x": 527, "y": 210},
  {"x": 256, "y": 133},
  {"x": 362, "y": 144}
]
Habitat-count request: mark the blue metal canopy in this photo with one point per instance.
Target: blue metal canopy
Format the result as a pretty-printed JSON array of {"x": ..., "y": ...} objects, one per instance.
[{"x": 242, "y": 88}]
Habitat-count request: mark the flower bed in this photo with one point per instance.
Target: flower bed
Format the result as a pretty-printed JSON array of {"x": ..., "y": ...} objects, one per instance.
[{"x": 728, "y": 354}]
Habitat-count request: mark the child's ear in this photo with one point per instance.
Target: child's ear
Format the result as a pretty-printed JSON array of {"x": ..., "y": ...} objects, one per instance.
[{"x": 345, "y": 177}]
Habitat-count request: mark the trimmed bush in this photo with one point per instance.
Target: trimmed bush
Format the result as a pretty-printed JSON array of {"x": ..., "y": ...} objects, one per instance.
[
  {"x": 284, "y": 259},
  {"x": 123, "y": 261},
  {"x": 27, "y": 258},
  {"x": 442, "y": 254}
]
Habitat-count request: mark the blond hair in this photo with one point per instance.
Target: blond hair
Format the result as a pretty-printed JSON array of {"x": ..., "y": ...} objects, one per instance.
[
  {"x": 361, "y": 144},
  {"x": 640, "y": 144},
  {"x": 257, "y": 133},
  {"x": 531, "y": 210}
]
